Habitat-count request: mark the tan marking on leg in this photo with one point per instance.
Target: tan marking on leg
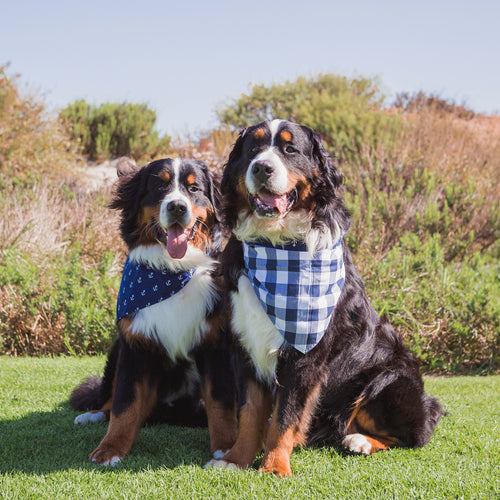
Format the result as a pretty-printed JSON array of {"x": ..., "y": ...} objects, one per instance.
[
  {"x": 252, "y": 426},
  {"x": 123, "y": 429},
  {"x": 279, "y": 444},
  {"x": 362, "y": 423},
  {"x": 222, "y": 422}
]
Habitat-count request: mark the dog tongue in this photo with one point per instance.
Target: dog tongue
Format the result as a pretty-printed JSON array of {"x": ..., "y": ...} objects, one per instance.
[
  {"x": 279, "y": 202},
  {"x": 177, "y": 242}
]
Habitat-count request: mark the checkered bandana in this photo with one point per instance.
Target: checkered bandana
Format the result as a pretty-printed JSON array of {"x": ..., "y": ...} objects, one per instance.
[
  {"x": 298, "y": 290},
  {"x": 142, "y": 286}
]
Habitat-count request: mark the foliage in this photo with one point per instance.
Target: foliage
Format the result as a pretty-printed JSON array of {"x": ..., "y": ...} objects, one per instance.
[
  {"x": 33, "y": 145},
  {"x": 44, "y": 455},
  {"x": 60, "y": 309},
  {"x": 346, "y": 112},
  {"x": 421, "y": 184},
  {"x": 449, "y": 312},
  {"x": 60, "y": 261},
  {"x": 114, "y": 129}
]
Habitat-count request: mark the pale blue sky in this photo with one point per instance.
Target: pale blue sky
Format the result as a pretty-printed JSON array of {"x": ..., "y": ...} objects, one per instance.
[{"x": 186, "y": 58}]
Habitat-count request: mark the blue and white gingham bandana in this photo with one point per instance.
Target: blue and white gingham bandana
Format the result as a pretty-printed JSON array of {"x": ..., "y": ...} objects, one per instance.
[
  {"x": 142, "y": 286},
  {"x": 298, "y": 290}
]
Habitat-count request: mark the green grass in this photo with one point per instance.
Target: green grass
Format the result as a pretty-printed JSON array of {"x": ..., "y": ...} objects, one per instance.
[{"x": 42, "y": 454}]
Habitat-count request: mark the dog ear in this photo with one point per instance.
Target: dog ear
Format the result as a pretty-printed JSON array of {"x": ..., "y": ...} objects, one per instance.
[
  {"x": 128, "y": 192},
  {"x": 325, "y": 162},
  {"x": 126, "y": 166},
  {"x": 213, "y": 181},
  {"x": 234, "y": 158}
]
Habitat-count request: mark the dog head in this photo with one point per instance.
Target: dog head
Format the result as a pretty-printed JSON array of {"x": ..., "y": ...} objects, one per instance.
[
  {"x": 280, "y": 183},
  {"x": 173, "y": 203}
]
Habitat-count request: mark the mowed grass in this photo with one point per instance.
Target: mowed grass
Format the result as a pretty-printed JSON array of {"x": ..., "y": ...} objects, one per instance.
[{"x": 43, "y": 454}]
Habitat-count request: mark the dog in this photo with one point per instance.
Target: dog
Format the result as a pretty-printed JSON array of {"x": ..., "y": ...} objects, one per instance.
[
  {"x": 171, "y": 348},
  {"x": 311, "y": 348}
]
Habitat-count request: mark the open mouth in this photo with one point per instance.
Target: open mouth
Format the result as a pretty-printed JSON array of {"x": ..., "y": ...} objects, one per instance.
[
  {"x": 176, "y": 237},
  {"x": 266, "y": 204}
]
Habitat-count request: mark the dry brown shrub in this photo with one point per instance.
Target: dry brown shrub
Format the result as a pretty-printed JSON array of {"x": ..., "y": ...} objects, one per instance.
[
  {"x": 33, "y": 334},
  {"x": 49, "y": 217},
  {"x": 32, "y": 142}
]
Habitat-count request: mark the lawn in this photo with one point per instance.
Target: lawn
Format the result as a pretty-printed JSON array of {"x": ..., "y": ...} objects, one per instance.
[{"x": 43, "y": 455}]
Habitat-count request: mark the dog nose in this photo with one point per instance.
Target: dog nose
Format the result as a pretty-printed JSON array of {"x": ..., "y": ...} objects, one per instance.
[
  {"x": 177, "y": 208},
  {"x": 262, "y": 171}
]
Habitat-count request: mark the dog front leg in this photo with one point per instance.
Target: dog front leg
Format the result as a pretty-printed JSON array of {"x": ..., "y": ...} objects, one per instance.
[
  {"x": 289, "y": 426},
  {"x": 252, "y": 427}
]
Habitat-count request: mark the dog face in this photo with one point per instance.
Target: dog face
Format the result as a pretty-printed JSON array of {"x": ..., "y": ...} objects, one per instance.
[
  {"x": 280, "y": 180},
  {"x": 172, "y": 202}
]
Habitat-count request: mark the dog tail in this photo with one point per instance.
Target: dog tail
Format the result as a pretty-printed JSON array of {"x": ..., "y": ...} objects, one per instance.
[
  {"x": 88, "y": 395},
  {"x": 94, "y": 392}
]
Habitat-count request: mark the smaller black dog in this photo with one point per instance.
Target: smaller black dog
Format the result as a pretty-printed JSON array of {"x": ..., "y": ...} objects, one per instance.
[{"x": 171, "y": 347}]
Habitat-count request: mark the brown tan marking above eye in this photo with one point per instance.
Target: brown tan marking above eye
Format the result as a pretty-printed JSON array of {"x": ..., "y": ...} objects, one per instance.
[
  {"x": 191, "y": 179},
  {"x": 259, "y": 134},
  {"x": 165, "y": 176},
  {"x": 286, "y": 136}
]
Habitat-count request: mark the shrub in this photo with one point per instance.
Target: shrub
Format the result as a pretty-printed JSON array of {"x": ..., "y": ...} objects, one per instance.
[
  {"x": 114, "y": 129},
  {"x": 33, "y": 145},
  {"x": 448, "y": 312},
  {"x": 347, "y": 112},
  {"x": 60, "y": 262}
]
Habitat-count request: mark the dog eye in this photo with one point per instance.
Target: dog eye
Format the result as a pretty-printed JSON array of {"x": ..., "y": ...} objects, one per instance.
[
  {"x": 254, "y": 149},
  {"x": 290, "y": 149},
  {"x": 193, "y": 189}
]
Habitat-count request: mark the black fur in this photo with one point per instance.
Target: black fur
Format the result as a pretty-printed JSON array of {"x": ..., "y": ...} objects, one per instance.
[
  {"x": 142, "y": 363},
  {"x": 360, "y": 358}
]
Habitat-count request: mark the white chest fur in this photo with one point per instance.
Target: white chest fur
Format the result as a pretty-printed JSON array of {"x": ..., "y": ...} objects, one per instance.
[
  {"x": 179, "y": 322},
  {"x": 256, "y": 331}
]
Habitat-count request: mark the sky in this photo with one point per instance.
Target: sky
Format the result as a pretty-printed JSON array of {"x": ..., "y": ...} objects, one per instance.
[{"x": 187, "y": 58}]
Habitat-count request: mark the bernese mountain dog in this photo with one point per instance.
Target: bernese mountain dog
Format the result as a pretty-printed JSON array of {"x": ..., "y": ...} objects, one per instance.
[
  {"x": 171, "y": 361},
  {"x": 312, "y": 351}
]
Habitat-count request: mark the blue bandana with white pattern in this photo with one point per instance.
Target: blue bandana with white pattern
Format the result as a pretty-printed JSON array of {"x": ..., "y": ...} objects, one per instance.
[
  {"x": 142, "y": 286},
  {"x": 297, "y": 289}
]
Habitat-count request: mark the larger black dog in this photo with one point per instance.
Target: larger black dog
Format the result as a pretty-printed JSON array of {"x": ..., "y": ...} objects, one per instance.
[{"x": 357, "y": 386}]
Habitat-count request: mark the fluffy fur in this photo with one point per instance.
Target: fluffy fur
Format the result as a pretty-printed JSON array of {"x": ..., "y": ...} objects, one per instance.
[
  {"x": 359, "y": 387},
  {"x": 171, "y": 361}
]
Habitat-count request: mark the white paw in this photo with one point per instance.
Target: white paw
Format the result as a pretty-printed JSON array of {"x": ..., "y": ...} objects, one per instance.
[
  {"x": 218, "y": 454},
  {"x": 89, "y": 418},
  {"x": 357, "y": 443},
  {"x": 220, "y": 464},
  {"x": 112, "y": 461}
]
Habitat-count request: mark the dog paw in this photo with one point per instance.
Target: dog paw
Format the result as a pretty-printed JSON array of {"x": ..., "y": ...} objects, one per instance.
[
  {"x": 89, "y": 418},
  {"x": 278, "y": 471},
  {"x": 357, "y": 443},
  {"x": 220, "y": 464},
  {"x": 105, "y": 457},
  {"x": 218, "y": 454}
]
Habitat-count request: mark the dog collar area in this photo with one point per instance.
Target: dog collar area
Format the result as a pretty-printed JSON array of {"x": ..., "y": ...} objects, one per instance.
[
  {"x": 298, "y": 290},
  {"x": 143, "y": 286}
]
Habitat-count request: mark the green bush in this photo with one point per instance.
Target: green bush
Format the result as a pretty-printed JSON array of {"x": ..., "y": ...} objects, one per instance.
[
  {"x": 62, "y": 307},
  {"x": 448, "y": 311},
  {"x": 114, "y": 129},
  {"x": 347, "y": 112}
]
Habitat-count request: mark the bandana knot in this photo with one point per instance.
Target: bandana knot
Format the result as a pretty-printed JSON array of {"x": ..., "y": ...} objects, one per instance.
[
  {"x": 297, "y": 289},
  {"x": 143, "y": 286}
]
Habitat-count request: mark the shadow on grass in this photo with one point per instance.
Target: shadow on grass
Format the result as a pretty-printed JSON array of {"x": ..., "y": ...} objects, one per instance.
[{"x": 43, "y": 442}]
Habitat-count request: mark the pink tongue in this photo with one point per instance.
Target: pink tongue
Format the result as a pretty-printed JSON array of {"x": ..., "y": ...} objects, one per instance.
[
  {"x": 176, "y": 242},
  {"x": 280, "y": 202}
]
